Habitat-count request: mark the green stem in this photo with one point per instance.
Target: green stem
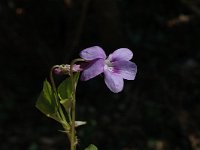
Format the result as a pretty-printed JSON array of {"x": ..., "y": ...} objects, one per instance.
[
  {"x": 60, "y": 111},
  {"x": 73, "y": 138},
  {"x": 53, "y": 83},
  {"x": 73, "y": 109}
]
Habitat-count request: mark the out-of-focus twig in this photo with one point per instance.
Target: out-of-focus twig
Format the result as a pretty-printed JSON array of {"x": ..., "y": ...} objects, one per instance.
[
  {"x": 80, "y": 24},
  {"x": 192, "y": 6},
  {"x": 79, "y": 28},
  {"x": 181, "y": 19}
]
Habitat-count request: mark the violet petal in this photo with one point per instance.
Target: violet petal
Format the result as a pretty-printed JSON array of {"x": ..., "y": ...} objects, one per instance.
[
  {"x": 126, "y": 69},
  {"x": 93, "y": 69},
  {"x": 121, "y": 54},
  {"x": 92, "y": 53},
  {"x": 113, "y": 81}
]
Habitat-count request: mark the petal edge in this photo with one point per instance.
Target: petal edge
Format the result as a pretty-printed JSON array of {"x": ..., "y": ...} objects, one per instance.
[
  {"x": 126, "y": 69},
  {"x": 121, "y": 54},
  {"x": 92, "y": 53},
  {"x": 113, "y": 81}
]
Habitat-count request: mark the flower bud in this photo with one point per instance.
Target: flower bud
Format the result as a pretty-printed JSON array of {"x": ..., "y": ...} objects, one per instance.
[{"x": 65, "y": 69}]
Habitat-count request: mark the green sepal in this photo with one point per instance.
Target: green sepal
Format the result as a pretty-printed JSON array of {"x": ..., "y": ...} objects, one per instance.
[
  {"x": 46, "y": 102},
  {"x": 91, "y": 147}
]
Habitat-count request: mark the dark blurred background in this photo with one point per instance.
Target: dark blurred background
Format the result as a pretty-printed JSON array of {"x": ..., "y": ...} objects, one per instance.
[{"x": 159, "y": 110}]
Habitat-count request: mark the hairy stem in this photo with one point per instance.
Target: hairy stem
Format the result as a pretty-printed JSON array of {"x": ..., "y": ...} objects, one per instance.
[
  {"x": 73, "y": 109},
  {"x": 73, "y": 136}
]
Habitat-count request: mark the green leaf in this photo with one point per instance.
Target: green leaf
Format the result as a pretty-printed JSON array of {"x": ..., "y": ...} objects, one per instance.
[
  {"x": 76, "y": 77},
  {"x": 65, "y": 91},
  {"x": 91, "y": 147},
  {"x": 67, "y": 103},
  {"x": 46, "y": 102},
  {"x": 65, "y": 88}
]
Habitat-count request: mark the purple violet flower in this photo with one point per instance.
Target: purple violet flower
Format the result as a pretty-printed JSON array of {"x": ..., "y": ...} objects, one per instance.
[{"x": 116, "y": 67}]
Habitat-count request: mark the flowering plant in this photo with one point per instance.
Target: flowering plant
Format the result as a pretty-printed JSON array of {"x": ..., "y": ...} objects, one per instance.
[{"x": 58, "y": 102}]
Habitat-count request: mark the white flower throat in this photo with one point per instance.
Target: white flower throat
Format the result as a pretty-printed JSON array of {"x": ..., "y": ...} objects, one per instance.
[{"x": 108, "y": 65}]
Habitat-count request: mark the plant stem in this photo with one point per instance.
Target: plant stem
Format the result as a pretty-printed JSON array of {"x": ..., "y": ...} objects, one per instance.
[
  {"x": 73, "y": 142},
  {"x": 60, "y": 111},
  {"x": 73, "y": 109},
  {"x": 53, "y": 84}
]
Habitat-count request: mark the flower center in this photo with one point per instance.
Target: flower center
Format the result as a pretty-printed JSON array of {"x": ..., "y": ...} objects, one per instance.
[{"x": 108, "y": 65}]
